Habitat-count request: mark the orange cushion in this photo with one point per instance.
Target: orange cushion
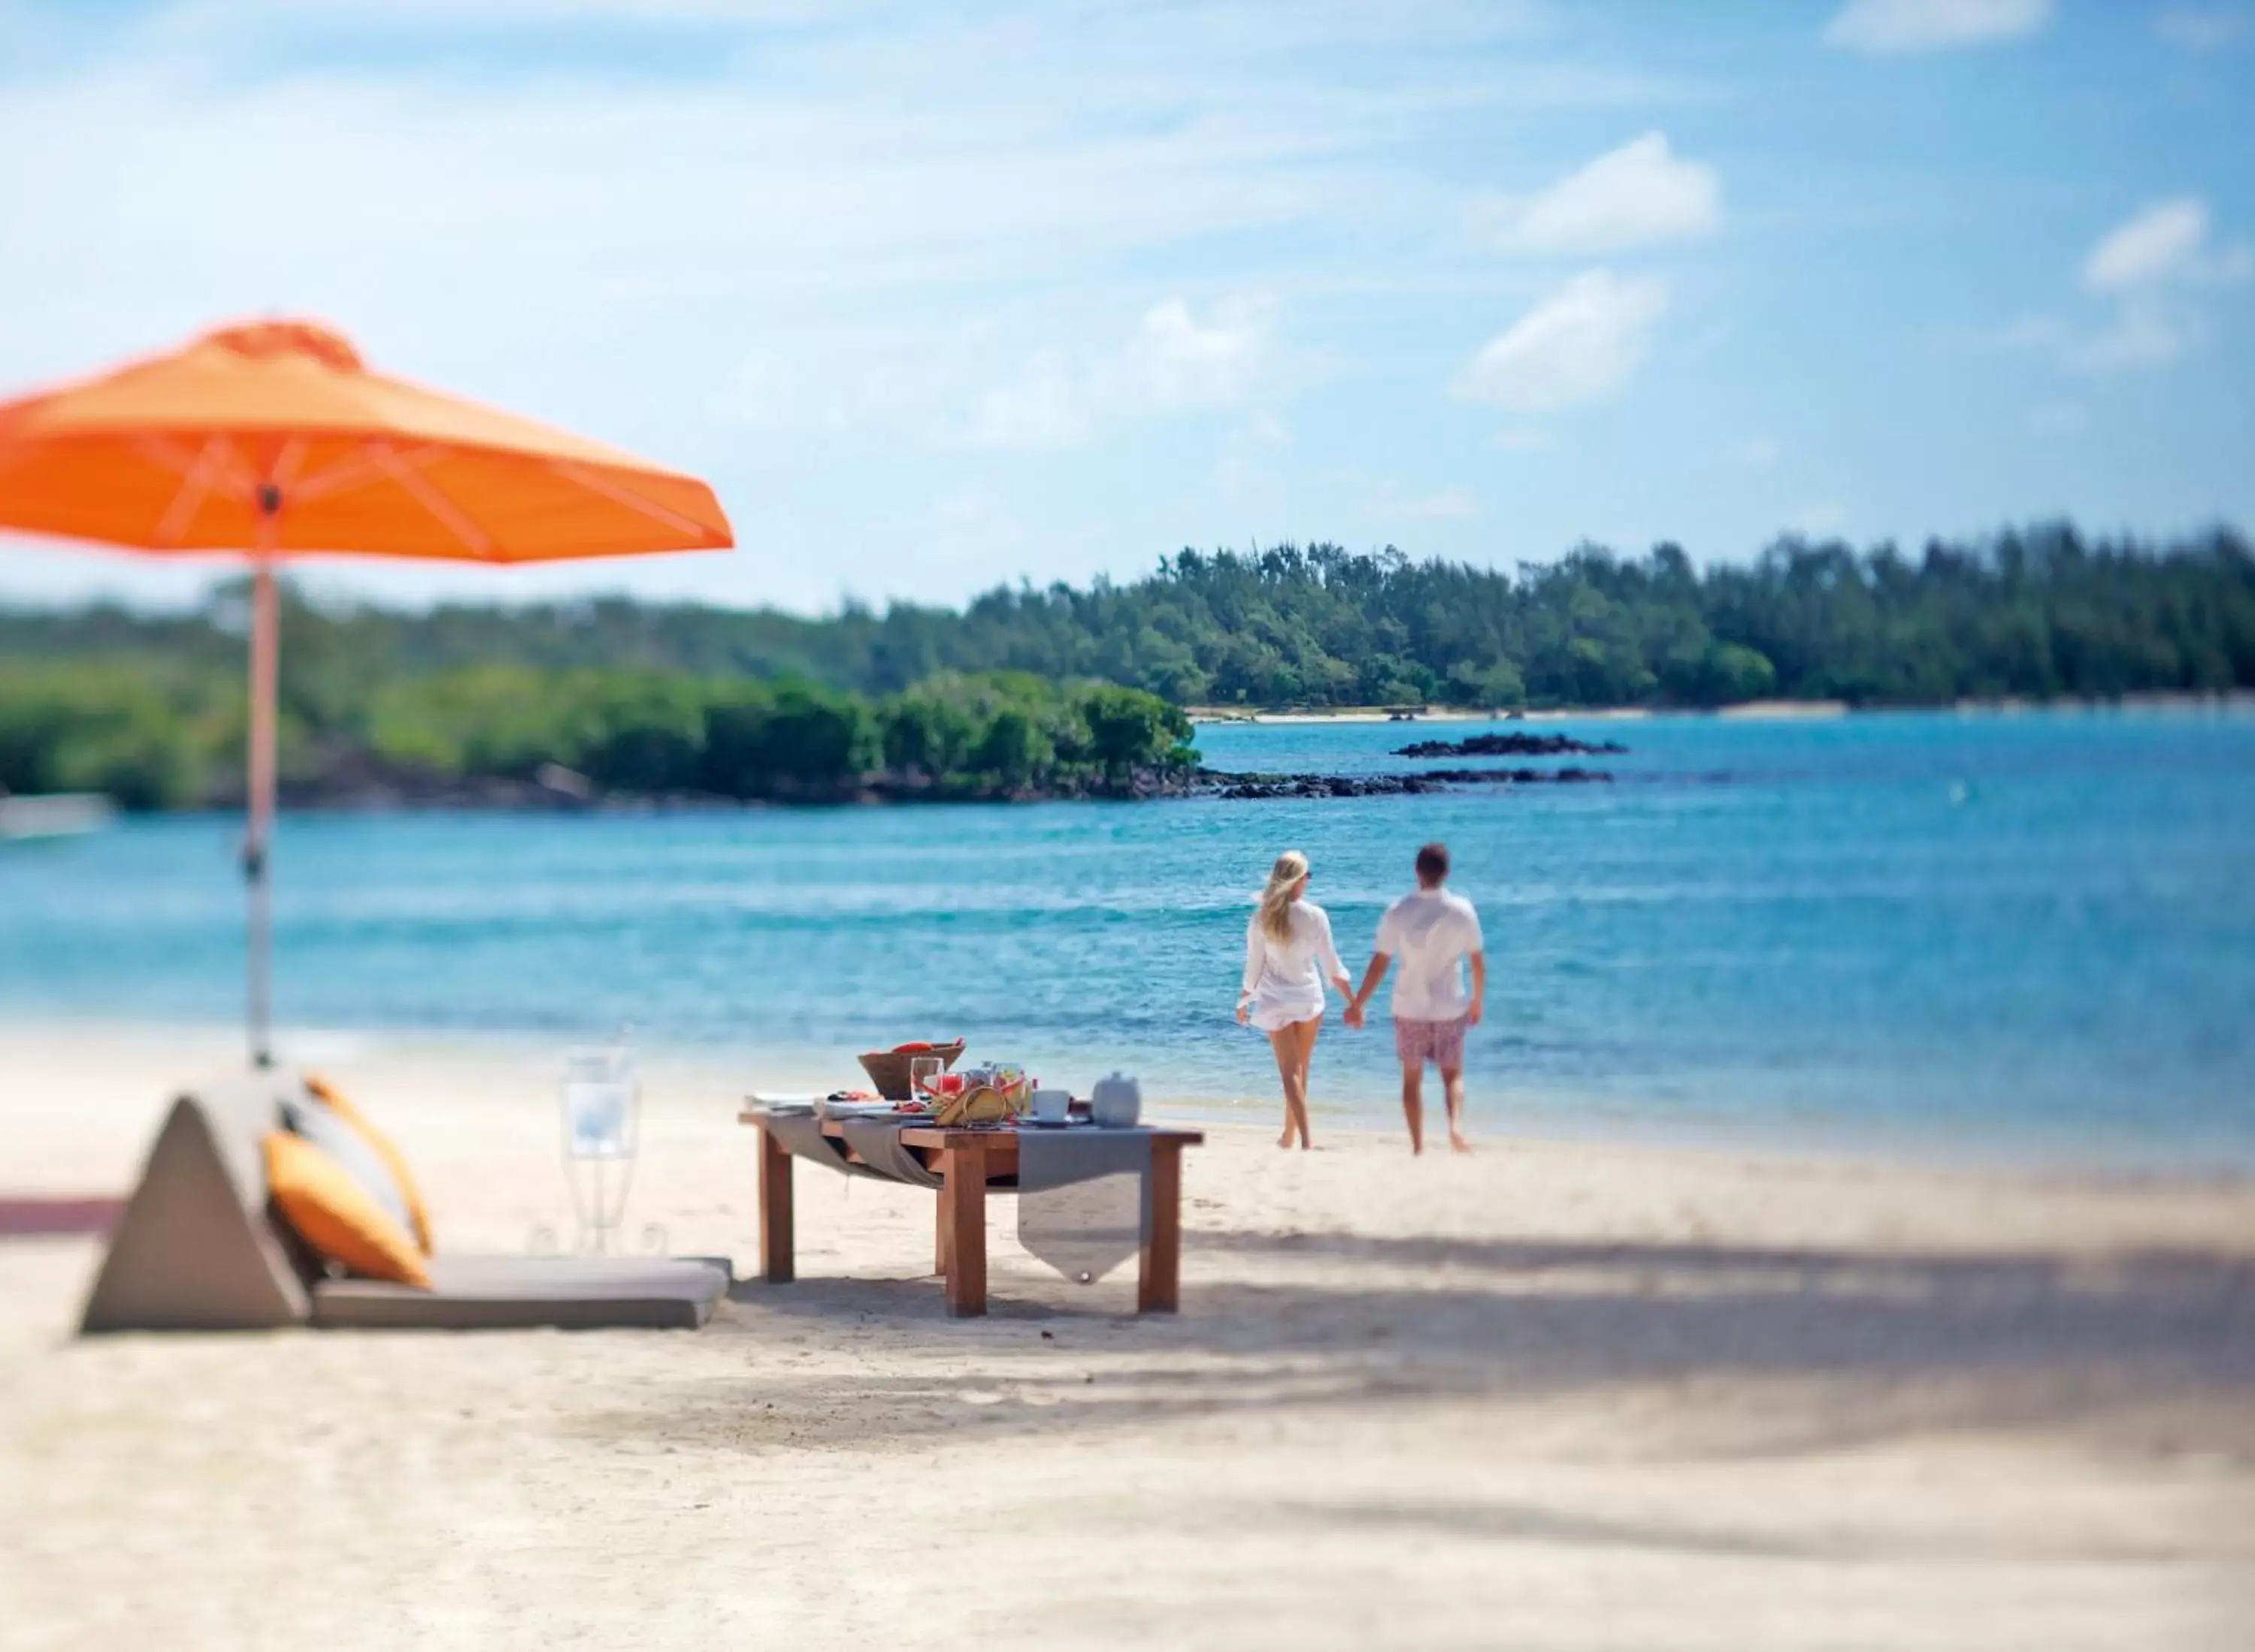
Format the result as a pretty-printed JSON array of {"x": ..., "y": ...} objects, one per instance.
[
  {"x": 380, "y": 1145},
  {"x": 335, "y": 1215}
]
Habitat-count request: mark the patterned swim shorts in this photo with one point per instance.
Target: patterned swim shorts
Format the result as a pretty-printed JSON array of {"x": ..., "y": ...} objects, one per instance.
[{"x": 1441, "y": 1042}]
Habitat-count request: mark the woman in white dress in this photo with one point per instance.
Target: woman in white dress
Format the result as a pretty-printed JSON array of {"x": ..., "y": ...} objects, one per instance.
[{"x": 1288, "y": 955}]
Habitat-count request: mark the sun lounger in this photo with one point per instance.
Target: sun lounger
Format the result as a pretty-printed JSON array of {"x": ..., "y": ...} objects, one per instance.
[
  {"x": 200, "y": 1248},
  {"x": 495, "y": 1293}
]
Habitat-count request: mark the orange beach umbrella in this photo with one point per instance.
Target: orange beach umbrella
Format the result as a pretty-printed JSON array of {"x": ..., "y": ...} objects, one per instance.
[{"x": 275, "y": 439}]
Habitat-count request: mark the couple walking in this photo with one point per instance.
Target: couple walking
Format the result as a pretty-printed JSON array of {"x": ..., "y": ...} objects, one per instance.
[{"x": 1431, "y": 934}]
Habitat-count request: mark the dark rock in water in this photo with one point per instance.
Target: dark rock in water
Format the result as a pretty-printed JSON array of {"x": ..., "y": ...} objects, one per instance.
[
  {"x": 1511, "y": 745},
  {"x": 1567, "y": 777},
  {"x": 1256, "y": 787}
]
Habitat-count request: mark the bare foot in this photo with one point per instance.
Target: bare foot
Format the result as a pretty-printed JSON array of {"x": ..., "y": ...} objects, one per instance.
[{"x": 1459, "y": 1143}]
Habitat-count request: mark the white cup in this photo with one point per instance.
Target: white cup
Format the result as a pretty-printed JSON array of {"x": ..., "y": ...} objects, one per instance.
[{"x": 1051, "y": 1107}]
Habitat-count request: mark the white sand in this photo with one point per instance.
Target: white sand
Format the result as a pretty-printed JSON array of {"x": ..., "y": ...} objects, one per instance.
[{"x": 1556, "y": 1396}]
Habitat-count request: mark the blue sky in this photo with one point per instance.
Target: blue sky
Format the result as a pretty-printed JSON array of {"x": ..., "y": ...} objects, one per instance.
[{"x": 943, "y": 297}]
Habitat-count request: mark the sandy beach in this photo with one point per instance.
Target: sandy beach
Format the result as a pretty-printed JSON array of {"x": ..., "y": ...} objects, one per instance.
[{"x": 1557, "y": 1394}]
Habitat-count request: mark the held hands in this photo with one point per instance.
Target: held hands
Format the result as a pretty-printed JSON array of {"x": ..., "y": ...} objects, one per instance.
[{"x": 1354, "y": 1007}]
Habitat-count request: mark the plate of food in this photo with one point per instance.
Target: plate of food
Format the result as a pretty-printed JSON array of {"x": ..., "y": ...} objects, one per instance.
[{"x": 832, "y": 1107}]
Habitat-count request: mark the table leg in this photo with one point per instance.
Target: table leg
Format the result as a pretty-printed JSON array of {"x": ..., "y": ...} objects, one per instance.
[
  {"x": 963, "y": 1208},
  {"x": 1158, "y": 1284},
  {"x": 940, "y": 1214},
  {"x": 775, "y": 1211}
]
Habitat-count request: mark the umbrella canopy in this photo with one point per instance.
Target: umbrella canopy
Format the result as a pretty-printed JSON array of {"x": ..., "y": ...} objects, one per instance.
[
  {"x": 275, "y": 436},
  {"x": 274, "y": 439}
]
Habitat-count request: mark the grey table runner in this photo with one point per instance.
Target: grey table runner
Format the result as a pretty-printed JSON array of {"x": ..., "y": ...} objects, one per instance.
[
  {"x": 802, "y": 1137},
  {"x": 879, "y": 1144},
  {"x": 1083, "y": 1198},
  {"x": 1084, "y": 1194},
  {"x": 877, "y": 1141}
]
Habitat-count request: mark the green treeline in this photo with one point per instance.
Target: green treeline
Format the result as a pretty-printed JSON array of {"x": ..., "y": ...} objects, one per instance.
[
  {"x": 170, "y": 737},
  {"x": 1000, "y": 697},
  {"x": 2040, "y": 613}
]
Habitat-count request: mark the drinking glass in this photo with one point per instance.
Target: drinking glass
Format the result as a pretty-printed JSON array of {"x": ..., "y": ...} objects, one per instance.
[
  {"x": 598, "y": 1097},
  {"x": 922, "y": 1071}
]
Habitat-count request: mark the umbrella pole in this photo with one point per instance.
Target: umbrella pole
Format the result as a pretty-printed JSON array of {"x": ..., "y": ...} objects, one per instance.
[{"x": 265, "y": 646}]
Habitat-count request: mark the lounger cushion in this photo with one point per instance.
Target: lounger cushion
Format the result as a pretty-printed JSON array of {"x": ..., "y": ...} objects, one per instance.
[
  {"x": 338, "y": 1218},
  {"x": 401, "y": 1179},
  {"x": 498, "y": 1293},
  {"x": 304, "y": 1116}
]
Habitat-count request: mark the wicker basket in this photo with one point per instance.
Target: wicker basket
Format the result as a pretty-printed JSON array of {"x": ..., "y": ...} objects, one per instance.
[
  {"x": 985, "y": 1105},
  {"x": 888, "y": 1069}
]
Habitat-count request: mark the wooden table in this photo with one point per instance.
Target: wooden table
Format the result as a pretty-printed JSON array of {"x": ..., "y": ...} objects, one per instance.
[{"x": 969, "y": 1161}]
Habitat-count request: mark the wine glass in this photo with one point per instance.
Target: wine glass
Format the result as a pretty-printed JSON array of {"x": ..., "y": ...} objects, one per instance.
[{"x": 924, "y": 1072}]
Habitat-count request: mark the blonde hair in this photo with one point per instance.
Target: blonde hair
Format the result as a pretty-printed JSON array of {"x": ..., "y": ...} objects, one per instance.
[{"x": 1289, "y": 872}]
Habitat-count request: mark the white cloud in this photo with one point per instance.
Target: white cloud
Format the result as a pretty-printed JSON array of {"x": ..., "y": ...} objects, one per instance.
[
  {"x": 1890, "y": 27},
  {"x": 2155, "y": 269},
  {"x": 1580, "y": 345},
  {"x": 2162, "y": 242},
  {"x": 1041, "y": 405},
  {"x": 2204, "y": 29},
  {"x": 1640, "y": 195},
  {"x": 843, "y": 381},
  {"x": 1178, "y": 361},
  {"x": 2165, "y": 243},
  {"x": 1173, "y": 362},
  {"x": 974, "y": 384},
  {"x": 2145, "y": 332}
]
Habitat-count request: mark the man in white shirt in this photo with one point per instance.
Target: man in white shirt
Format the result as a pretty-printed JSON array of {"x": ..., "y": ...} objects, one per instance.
[{"x": 1434, "y": 933}]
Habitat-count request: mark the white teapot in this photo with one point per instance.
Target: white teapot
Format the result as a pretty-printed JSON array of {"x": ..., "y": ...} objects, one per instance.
[{"x": 1116, "y": 1102}]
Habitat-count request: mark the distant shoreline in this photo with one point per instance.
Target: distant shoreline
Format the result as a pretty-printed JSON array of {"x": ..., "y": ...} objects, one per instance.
[
  {"x": 2235, "y": 700},
  {"x": 493, "y": 796}
]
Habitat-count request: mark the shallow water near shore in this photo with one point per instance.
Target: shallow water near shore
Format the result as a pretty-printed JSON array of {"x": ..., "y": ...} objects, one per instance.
[{"x": 2023, "y": 933}]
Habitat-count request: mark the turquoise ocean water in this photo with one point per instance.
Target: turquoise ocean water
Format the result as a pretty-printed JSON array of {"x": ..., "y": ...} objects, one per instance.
[{"x": 2025, "y": 933}]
